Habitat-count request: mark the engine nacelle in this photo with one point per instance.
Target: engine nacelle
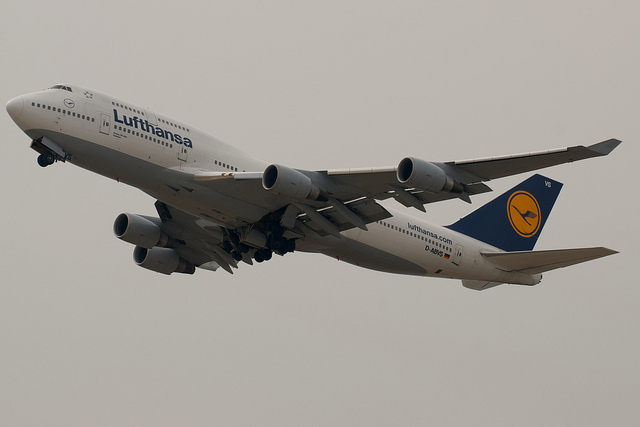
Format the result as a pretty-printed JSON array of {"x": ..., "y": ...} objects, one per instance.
[
  {"x": 289, "y": 182},
  {"x": 425, "y": 175},
  {"x": 162, "y": 260},
  {"x": 140, "y": 231}
]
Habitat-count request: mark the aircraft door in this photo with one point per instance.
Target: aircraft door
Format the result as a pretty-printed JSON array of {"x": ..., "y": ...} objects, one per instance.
[
  {"x": 457, "y": 255},
  {"x": 151, "y": 117},
  {"x": 105, "y": 123},
  {"x": 182, "y": 152}
]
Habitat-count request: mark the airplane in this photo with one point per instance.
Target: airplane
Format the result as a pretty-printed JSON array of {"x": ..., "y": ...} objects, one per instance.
[{"x": 218, "y": 206}]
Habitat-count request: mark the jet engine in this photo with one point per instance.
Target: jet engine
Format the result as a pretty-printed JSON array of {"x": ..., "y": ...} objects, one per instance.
[
  {"x": 426, "y": 176},
  {"x": 162, "y": 260},
  {"x": 289, "y": 182},
  {"x": 141, "y": 231}
]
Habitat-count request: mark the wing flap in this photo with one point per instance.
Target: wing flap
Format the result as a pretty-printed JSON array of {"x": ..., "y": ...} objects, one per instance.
[
  {"x": 534, "y": 262},
  {"x": 367, "y": 210}
]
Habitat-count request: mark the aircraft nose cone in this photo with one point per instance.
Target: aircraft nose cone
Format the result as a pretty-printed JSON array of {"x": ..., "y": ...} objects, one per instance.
[{"x": 14, "y": 107}]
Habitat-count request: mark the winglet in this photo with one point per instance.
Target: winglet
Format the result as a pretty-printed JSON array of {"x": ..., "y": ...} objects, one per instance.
[{"x": 605, "y": 147}]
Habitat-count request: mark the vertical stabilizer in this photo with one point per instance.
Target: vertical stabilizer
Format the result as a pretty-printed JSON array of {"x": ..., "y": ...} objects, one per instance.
[{"x": 514, "y": 220}]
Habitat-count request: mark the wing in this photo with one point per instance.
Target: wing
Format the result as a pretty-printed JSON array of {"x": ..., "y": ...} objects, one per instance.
[
  {"x": 348, "y": 198},
  {"x": 207, "y": 244},
  {"x": 469, "y": 173},
  {"x": 498, "y": 167}
]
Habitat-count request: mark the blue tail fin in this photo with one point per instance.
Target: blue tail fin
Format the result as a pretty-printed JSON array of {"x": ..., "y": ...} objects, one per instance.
[{"x": 514, "y": 220}]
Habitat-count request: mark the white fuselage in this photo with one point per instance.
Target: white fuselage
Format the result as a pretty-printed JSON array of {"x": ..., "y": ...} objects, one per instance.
[{"x": 141, "y": 148}]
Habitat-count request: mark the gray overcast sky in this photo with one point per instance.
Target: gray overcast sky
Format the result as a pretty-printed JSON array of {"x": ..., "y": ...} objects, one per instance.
[{"x": 88, "y": 338}]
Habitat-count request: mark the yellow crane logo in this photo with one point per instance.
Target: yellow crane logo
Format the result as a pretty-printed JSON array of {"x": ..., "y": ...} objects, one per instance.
[{"x": 524, "y": 213}]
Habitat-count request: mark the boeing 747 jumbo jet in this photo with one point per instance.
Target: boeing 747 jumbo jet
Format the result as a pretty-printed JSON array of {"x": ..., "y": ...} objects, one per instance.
[{"x": 218, "y": 207}]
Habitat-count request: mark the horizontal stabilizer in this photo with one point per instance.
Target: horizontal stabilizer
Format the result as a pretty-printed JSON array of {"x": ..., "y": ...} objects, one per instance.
[{"x": 535, "y": 262}]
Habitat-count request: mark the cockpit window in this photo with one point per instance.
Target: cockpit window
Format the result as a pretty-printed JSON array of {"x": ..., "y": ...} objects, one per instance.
[{"x": 67, "y": 88}]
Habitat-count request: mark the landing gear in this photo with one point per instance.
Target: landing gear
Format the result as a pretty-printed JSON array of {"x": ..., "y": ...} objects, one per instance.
[
  {"x": 236, "y": 255},
  {"x": 262, "y": 255},
  {"x": 289, "y": 245},
  {"x": 260, "y": 242},
  {"x": 46, "y": 159}
]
